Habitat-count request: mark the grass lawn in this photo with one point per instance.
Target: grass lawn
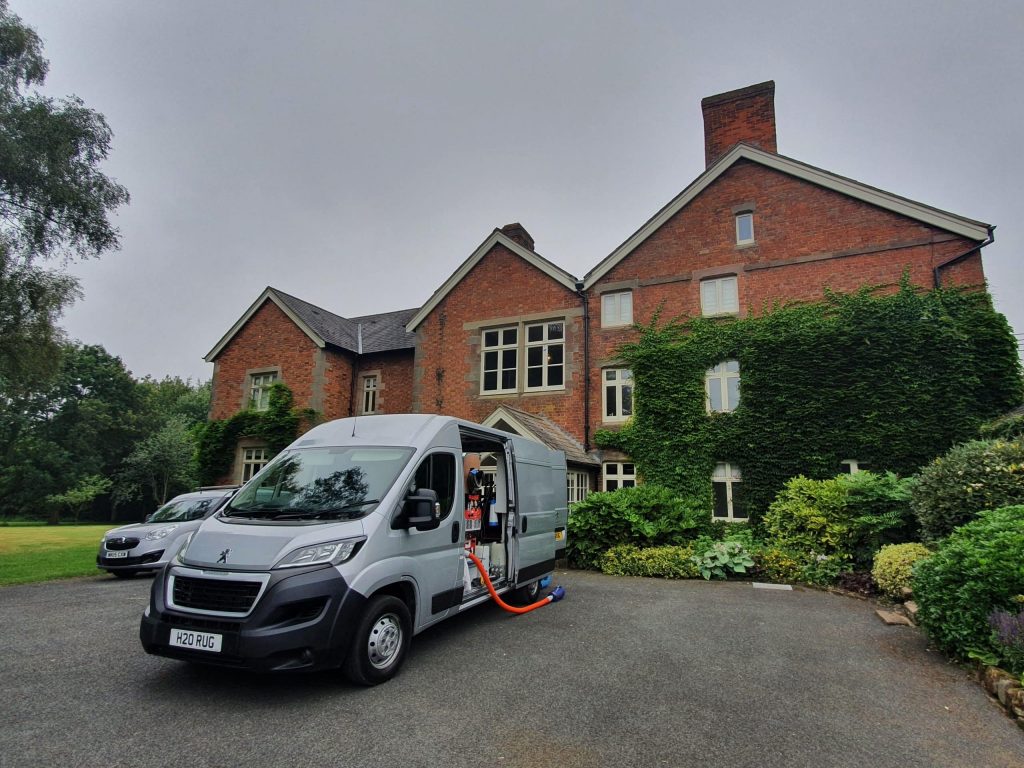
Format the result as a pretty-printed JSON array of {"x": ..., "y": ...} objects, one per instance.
[{"x": 40, "y": 553}]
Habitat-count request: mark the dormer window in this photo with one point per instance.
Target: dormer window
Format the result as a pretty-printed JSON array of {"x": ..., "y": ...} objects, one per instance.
[{"x": 744, "y": 228}]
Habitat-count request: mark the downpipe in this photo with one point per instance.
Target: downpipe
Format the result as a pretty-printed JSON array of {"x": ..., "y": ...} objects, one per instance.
[{"x": 556, "y": 594}]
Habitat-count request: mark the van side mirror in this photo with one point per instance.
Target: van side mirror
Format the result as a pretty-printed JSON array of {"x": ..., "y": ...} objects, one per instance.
[{"x": 420, "y": 510}]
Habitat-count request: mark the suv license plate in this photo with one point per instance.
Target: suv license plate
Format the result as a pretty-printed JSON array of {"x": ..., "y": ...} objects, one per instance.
[
  {"x": 115, "y": 555},
  {"x": 196, "y": 641}
]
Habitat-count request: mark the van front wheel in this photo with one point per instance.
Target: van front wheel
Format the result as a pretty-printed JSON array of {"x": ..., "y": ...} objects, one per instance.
[{"x": 380, "y": 641}]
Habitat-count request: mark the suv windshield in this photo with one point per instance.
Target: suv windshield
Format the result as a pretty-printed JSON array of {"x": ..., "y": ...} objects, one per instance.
[
  {"x": 185, "y": 509},
  {"x": 320, "y": 484}
]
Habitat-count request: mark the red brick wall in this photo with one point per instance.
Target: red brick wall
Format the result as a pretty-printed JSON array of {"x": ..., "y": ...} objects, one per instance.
[
  {"x": 394, "y": 393},
  {"x": 500, "y": 287},
  {"x": 806, "y": 238},
  {"x": 268, "y": 340}
]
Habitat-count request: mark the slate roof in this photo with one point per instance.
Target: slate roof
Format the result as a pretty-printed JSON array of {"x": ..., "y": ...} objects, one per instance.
[
  {"x": 552, "y": 435},
  {"x": 382, "y": 332}
]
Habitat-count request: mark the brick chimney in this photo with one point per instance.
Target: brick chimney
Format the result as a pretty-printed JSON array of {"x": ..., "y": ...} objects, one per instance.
[
  {"x": 517, "y": 233},
  {"x": 747, "y": 115}
]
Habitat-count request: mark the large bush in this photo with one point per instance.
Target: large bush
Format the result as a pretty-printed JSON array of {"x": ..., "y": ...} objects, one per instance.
[
  {"x": 646, "y": 516},
  {"x": 894, "y": 566},
  {"x": 665, "y": 562},
  {"x": 977, "y": 571},
  {"x": 846, "y": 518},
  {"x": 969, "y": 478}
]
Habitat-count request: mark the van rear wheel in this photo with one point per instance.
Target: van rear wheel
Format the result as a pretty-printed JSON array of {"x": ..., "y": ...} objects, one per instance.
[
  {"x": 380, "y": 642},
  {"x": 526, "y": 595}
]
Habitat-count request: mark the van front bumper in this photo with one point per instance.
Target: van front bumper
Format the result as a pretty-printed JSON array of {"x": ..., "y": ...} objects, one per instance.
[{"x": 303, "y": 619}]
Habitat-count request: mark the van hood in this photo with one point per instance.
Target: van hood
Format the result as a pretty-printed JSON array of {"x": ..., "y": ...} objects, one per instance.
[{"x": 257, "y": 547}]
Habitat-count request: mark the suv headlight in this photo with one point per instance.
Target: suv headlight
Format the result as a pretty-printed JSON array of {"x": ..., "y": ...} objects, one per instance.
[
  {"x": 333, "y": 552},
  {"x": 159, "y": 533}
]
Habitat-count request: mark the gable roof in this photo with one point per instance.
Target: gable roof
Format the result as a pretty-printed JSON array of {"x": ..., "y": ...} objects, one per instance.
[
  {"x": 497, "y": 237},
  {"x": 969, "y": 228},
  {"x": 363, "y": 335},
  {"x": 541, "y": 429}
]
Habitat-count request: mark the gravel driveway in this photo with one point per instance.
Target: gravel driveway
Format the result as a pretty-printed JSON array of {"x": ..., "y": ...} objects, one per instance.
[{"x": 624, "y": 672}]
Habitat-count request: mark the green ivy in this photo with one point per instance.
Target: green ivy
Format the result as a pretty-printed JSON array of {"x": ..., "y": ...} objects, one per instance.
[
  {"x": 277, "y": 426},
  {"x": 890, "y": 381}
]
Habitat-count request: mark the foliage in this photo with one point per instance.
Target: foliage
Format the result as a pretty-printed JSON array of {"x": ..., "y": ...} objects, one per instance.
[
  {"x": 779, "y": 565},
  {"x": 1008, "y": 637},
  {"x": 974, "y": 572},
  {"x": 646, "y": 516},
  {"x": 969, "y": 478},
  {"x": 850, "y": 515},
  {"x": 823, "y": 570},
  {"x": 160, "y": 466},
  {"x": 1008, "y": 426},
  {"x": 888, "y": 380},
  {"x": 894, "y": 564},
  {"x": 276, "y": 427},
  {"x": 78, "y": 498},
  {"x": 723, "y": 559},
  {"x": 669, "y": 562}
]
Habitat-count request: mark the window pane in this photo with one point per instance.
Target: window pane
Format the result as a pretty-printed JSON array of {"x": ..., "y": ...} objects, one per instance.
[
  {"x": 628, "y": 469},
  {"x": 535, "y": 355},
  {"x": 535, "y": 333},
  {"x": 508, "y": 358},
  {"x": 732, "y": 366},
  {"x": 490, "y": 381},
  {"x": 720, "y": 471},
  {"x": 626, "y": 307},
  {"x": 730, "y": 302},
  {"x": 611, "y": 485},
  {"x": 611, "y": 403},
  {"x": 709, "y": 297},
  {"x": 609, "y": 375},
  {"x": 554, "y": 375},
  {"x": 490, "y": 338},
  {"x": 721, "y": 500},
  {"x": 555, "y": 331},
  {"x": 607, "y": 309},
  {"x": 744, "y": 227},
  {"x": 734, "y": 392},
  {"x": 508, "y": 379},
  {"x": 490, "y": 361},
  {"x": 715, "y": 394},
  {"x": 554, "y": 354},
  {"x": 535, "y": 377},
  {"x": 611, "y": 469},
  {"x": 508, "y": 336},
  {"x": 627, "y": 400}
]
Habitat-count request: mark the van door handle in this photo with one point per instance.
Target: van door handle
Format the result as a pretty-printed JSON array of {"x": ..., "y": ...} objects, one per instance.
[
  {"x": 525, "y": 521},
  {"x": 455, "y": 532}
]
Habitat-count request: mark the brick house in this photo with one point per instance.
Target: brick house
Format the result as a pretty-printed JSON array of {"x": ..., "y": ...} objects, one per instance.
[{"x": 537, "y": 356}]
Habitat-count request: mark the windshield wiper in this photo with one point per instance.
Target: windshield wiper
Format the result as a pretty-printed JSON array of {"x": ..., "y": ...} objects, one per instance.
[
  {"x": 323, "y": 513},
  {"x": 257, "y": 510}
]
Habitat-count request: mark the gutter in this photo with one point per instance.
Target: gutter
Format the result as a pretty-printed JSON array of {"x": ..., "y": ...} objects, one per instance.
[
  {"x": 961, "y": 256},
  {"x": 586, "y": 364}
]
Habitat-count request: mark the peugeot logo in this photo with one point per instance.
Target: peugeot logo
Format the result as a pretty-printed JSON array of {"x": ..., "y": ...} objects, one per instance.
[{"x": 224, "y": 556}]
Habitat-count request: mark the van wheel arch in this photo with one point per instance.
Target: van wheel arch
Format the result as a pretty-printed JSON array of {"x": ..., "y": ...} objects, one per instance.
[{"x": 404, "y": 591}]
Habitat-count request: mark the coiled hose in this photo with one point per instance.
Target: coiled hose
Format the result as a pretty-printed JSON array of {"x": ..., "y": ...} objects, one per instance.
[{"x": 556, "y": 594}]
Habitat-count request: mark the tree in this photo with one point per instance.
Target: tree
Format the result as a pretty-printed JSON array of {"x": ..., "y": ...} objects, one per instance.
[
  {"x": 78, "y": 498},
  {"x": 55, "y": 203},
  {"x": 162, "y": 464}
]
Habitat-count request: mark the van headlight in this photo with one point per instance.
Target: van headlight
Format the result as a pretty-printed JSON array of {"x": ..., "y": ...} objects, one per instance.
[
  {"x": 180, "y": 557},
  {"x": 333, "y": 552},
  {"x": 159, "y": 533}
]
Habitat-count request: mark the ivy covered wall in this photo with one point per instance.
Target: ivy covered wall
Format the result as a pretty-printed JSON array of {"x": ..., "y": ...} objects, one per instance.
[{"x": 891, "y": 381}]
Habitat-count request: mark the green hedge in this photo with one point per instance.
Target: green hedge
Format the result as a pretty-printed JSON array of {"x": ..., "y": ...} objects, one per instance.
[
  {"x": 978, "y": 570},
  {"x": 664, "y": 562},
  {"x": 889, "y": 381}
]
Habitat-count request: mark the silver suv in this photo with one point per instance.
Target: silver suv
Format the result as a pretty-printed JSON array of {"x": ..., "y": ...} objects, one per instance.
[{"x": 147, "y": 546}]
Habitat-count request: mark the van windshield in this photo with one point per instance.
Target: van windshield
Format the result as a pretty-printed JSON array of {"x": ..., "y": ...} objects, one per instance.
[
  {"x": 185, "y": 509},
  {"x": 343, "y": 483}
]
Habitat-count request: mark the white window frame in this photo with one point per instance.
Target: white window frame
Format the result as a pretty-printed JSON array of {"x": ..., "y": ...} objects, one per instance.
[
  {"x": 728, "y": 474},
  {"x": 259, "y": 389},
  {"x": 253, "y": 460},
  {"x": 615, "y": 472},
  {"x": 546, "y": 344},
  {"x": 622, "y": 377},
  {"x": 749, "y": 216},
  {"x": 717, "y": 379},
  {"x": 500, "y": 348},
  {"x": 616, "y": 309},
  {"x": 371, "y": 388},
  {"x": 577, "y": 485},
  {"x": 720, "y": 296},
  {"x": 853, "y": 466}
]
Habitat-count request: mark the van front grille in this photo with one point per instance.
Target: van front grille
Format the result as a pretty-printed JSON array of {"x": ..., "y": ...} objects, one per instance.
[{"x": 215, "y": 594}]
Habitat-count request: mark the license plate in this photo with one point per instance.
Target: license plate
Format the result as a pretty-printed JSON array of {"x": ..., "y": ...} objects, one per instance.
[
  {"x": 116, "y": 555},
  {"x": 559, "y": 535},
  {"x": 196, "y": 641}
]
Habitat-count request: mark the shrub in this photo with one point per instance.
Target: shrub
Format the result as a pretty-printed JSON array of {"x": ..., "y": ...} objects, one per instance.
[
  {"x": 666, "y": 562},
  {"x": 1008, "y": 638},
  {"x": 976, "y": 571},
  {"x": 823, "y": 570},
  {"x": 646, "y": 516},
  {"x": 723, "y": 559},
  {"x": 779, "y": 565},
  {"x": 849, "y": 516},
  {"x": 894, "y": 566},
  {"x": 969, "y": 478}
]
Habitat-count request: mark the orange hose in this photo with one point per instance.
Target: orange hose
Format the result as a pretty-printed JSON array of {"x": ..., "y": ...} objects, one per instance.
[{"x": 497, "y": 598}]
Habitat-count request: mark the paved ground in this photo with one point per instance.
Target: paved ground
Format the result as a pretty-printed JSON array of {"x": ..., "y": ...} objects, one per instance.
[{"x": 624, "y": 672}]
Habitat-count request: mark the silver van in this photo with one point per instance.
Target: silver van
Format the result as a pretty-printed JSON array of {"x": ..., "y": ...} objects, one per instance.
[
  {"x": 354, "y": 539},
  {"x": 147, "y": 546}
]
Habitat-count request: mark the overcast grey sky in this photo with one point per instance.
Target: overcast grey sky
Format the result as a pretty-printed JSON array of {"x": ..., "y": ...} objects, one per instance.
[{"x": 355, "y": 153}]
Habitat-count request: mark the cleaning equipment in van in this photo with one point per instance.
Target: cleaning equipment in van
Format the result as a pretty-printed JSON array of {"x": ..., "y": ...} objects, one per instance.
[{"x": 556, "y": 594}]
